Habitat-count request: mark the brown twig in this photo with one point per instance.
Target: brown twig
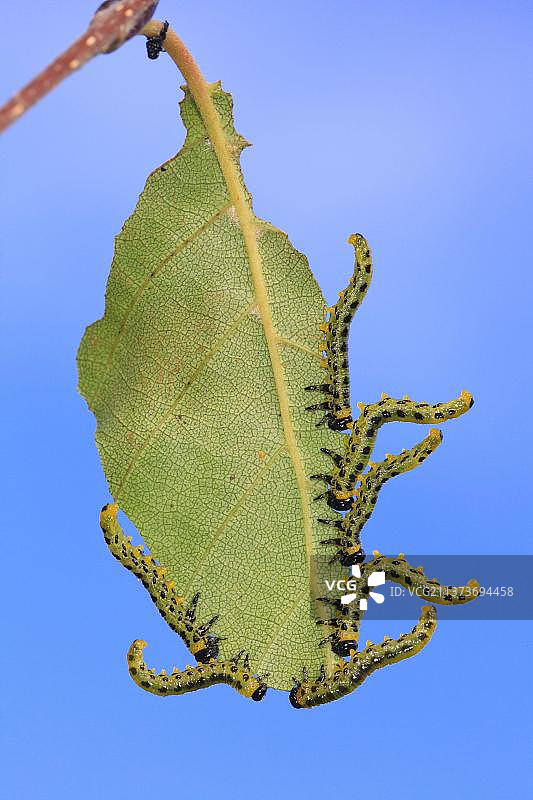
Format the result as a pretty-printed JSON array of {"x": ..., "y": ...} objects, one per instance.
[{"x": 114, "y": 22}]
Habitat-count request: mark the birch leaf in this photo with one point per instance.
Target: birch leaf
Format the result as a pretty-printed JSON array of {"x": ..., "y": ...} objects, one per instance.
[{"x": 196, "y": 378}]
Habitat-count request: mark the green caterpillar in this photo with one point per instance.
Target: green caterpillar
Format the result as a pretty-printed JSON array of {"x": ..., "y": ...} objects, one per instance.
[
  {"x": 345, "y": 635},
  {"x": 350, "y": 526},
  {"x": 400, "y": 571},
  {"x": 181, "y": 617},
  {"x": 359, "y": 445},
  {"x": 172, "y": 607},
  {"x": 349, "y": 675},
  {"x": 230, "y": 672},
  {"x": 334, "y": 345}
]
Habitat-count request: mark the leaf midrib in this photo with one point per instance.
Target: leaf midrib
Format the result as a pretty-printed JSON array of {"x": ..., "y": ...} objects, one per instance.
[{"x": 203, "y": 100}]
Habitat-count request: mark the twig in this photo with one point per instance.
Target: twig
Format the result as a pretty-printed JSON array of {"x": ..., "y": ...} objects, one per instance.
[{"x": 114, "y": 22}]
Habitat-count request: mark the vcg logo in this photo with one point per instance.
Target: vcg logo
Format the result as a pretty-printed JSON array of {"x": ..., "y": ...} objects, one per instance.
[{"x": 376, "y": 578}]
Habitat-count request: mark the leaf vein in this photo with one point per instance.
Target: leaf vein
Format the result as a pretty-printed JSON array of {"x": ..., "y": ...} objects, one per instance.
[
  {"x": 142, "y": 288},
  {"x": 233, "y": 511},
  {"x": 196, "y": 374}
]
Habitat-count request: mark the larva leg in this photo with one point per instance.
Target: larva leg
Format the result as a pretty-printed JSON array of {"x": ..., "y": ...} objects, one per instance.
[
  {"x": 334, "y": 342},
  {"x": 400, "y": 571},
  {"x": 172, "y": 607},
  {"x": 232, "y": 672},
  {"x": 320, "y": 387},
  {"x": 345, "y": 630},
  {"x": 349, "y": 539},
  {"x": 361, "y": 442},
  {"x": 337, "y": 458},
  {"x": 318, "y": 407},
  {"x": 349, "y": 675},
  {"x": 321, "y": 477}
]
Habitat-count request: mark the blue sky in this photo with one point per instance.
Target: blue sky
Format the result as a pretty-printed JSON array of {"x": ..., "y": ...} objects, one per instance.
[{"x": 410, "y": 122}]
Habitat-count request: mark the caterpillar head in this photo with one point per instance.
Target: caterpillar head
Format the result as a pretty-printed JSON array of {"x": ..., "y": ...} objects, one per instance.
[
  {"x": 210, "y": 650},
  {"x": 260, "y": 692}
]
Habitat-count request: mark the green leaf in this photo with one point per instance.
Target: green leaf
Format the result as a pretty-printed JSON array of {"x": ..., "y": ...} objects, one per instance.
[{"x": 196, "y": 376}]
